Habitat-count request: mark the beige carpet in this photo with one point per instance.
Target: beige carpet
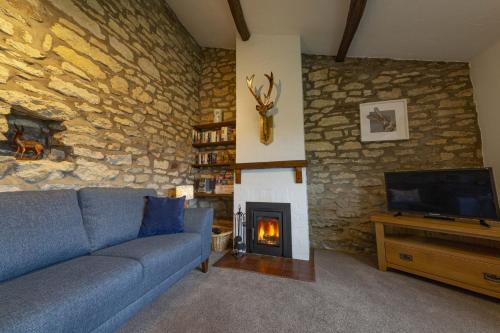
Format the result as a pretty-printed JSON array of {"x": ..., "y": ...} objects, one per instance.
[{"x": 349, "y": 295}]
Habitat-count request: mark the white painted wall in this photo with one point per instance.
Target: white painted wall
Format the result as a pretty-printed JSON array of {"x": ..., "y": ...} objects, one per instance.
[
  {"x": 282, "y": 55},
  {"x": 485, "y": 75}
]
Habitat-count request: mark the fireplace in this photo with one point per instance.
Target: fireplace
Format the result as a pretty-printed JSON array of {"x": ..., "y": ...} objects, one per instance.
[{"x": 269, "y": 228}]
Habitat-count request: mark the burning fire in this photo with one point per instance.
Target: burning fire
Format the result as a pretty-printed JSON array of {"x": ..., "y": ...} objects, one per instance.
[{"x": 268, "y": 231}]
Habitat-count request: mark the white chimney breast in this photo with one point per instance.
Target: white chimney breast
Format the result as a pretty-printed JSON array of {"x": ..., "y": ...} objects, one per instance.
[{"x": 260, "y": 55}]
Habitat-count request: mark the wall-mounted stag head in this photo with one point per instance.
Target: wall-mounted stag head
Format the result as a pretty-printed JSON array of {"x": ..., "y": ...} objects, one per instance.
[{"x": 263, "y": 106}]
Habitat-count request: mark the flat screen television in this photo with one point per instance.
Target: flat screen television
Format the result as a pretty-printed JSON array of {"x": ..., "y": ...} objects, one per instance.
[{"x": 465, "y": 193}]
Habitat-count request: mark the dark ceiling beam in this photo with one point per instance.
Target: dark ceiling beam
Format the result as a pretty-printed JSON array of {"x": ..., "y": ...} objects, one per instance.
[
  {"x": 239, "y": 19},
  {"x": 356, "y": 9}
]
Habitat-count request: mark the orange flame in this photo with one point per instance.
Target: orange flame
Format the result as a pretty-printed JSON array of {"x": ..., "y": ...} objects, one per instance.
[{"x": 268, "y": 229}]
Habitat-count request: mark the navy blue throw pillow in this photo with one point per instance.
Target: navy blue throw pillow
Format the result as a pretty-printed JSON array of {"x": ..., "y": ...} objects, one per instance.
[{"x": 162, "y": 216}]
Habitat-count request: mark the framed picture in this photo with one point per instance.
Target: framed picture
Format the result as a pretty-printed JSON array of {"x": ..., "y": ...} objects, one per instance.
[
  {"x": 218, "y": 115},
  {"x": 384, "y": 121}
]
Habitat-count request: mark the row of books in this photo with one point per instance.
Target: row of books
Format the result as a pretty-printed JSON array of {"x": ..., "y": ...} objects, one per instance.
[
  {"x": 215, "y": 157},
  {"x": 220, "y": 183},
  {"x": 224, "y": 177},
  {"x": 222, "y": 135}
]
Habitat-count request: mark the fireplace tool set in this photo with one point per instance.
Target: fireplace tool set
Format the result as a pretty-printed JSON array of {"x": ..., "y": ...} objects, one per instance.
[{"x": 239, "y": 227}]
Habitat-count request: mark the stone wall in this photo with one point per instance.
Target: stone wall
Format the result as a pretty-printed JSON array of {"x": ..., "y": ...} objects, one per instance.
[
  {"x": 120, "y": 76},
  {"x": 345, "y": 175},
  {"x": 218, "y": 83},
  {"x": 120, "y": 82}
]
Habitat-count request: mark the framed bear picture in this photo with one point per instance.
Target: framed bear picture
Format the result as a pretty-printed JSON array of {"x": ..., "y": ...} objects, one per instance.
[{"x": 384, "y": 121}]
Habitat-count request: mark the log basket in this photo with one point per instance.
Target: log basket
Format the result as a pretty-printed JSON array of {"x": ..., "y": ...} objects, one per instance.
[{"x": 222, "y": 240}]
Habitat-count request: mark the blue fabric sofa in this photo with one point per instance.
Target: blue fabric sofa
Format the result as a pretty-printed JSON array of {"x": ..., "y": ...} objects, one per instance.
[{"x": 71, "y": 261}]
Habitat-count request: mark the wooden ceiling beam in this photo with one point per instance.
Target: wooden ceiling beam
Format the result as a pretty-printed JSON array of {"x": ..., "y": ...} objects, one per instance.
[
  {"x": 356, "y": 9},
  {"x": 239, "y": 19}
]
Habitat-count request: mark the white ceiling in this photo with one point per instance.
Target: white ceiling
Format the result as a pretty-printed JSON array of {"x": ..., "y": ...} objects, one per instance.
[{"x": 452, "y": 30}]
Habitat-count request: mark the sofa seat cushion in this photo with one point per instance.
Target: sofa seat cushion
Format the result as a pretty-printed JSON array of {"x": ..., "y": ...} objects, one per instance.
[
  {"x": 112, "y": 215},
  {"x": 160, "y": 256},
  {"x": 39, "y": 229},
  {"x": 73, "y": 296}
]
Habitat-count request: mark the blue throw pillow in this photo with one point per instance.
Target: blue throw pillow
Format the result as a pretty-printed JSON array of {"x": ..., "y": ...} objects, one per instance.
[{"x": 162, "y": 216}]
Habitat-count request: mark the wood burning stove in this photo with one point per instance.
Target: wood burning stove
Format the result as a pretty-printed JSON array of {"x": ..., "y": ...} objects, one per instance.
[{"x": 269, "y": 228}]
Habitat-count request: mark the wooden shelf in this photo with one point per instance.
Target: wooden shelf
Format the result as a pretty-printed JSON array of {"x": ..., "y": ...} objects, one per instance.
[
  {"x": 214, "y": 126},
  {"x": 272, "y": 165},
  {"x": 214, "y": 144},
  {"x": 215, "y": 165},
  {"x": 473, "y": 251},
  {"x": 212, "y": 195},
  {"x": 297, "y": 165},
  {"x": 456, "y": 262},
  {"x": 467, "y": 228}
]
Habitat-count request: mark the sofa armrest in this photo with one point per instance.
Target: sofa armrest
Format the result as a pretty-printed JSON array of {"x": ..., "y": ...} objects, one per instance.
[{"x": 200, "y": 220}]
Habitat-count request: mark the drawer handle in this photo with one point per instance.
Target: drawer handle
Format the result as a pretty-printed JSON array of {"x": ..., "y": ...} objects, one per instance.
[
  {"x": 405, "y": 257},
  {"x": 491, "y": 277}
]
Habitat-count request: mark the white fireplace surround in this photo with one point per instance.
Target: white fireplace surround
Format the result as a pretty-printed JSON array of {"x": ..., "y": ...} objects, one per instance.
[{"x": 282, "y": 55}]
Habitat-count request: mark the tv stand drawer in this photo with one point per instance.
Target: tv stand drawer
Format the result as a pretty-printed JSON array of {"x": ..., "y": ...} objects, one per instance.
[{"x": 455, "y": 267}]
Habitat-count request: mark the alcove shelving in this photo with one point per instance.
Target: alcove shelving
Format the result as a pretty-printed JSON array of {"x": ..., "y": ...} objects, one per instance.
[{"x": 219, "y": 141}]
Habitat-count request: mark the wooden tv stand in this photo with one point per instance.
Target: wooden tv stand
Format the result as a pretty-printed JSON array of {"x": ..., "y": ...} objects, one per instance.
[{"x": 473, "y": 267}]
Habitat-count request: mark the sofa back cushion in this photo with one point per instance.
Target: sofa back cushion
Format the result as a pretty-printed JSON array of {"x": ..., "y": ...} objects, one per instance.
[
  {"x": 112, "y": 215},
  {"x": 37, "y": 229},
  {"x": 162, "y": 216}
]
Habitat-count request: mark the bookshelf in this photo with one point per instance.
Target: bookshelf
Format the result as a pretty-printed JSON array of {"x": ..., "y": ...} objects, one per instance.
[
  {"x": 212, "y": 195},
  {"x": 214, "y": 144},
  {"x": 215, "y": 126},
  {"x": 214, "y": 164}
]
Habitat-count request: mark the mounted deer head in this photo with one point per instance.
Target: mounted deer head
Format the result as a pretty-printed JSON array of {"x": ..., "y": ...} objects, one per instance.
[{"x": 263, "y": 106}]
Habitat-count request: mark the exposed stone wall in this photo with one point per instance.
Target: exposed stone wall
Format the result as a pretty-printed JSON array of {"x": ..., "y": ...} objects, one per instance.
[
  {"x": 122, "y": 76},
  {"x": 345, "y": 175},
  {"x": 223, "y": 209},
  {"x": 218, "y": 83},
  {"x": 218, "y": 91}
]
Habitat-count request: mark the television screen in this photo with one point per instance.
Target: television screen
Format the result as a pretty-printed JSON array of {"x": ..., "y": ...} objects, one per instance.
[{"x": 468, "y": 193}]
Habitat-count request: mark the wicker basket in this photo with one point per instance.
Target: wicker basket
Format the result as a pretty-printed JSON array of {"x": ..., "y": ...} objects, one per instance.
[{"x": 221, "y": 241}]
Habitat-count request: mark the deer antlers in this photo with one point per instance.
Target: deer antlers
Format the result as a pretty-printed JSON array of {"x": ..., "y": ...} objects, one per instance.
[
  {"x": 266, "y": 121},
  {"x": 266, "y": 105}
]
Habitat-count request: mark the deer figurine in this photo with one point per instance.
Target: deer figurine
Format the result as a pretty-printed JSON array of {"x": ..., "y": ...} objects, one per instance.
[
  {"x": 263, "y": 106},
  {"x": 24, "y": 146}
]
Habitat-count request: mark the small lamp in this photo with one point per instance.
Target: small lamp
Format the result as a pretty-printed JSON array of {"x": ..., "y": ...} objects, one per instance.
[{"x": 185, "y": 191}]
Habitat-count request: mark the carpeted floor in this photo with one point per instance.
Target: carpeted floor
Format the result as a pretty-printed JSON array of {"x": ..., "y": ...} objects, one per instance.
[{"x": 349, "y": 295}]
